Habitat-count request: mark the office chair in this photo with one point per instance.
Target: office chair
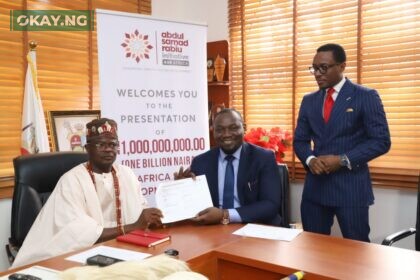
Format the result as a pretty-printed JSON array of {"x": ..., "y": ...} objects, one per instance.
[
  {"x": 284, "y": 210},
  {"x": 390, "y": 239},
  {"x": 35, "y": 178}
]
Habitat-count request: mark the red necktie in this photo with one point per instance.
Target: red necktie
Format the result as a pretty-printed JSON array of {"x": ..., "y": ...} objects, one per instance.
[{"x": 329, "y": 103}]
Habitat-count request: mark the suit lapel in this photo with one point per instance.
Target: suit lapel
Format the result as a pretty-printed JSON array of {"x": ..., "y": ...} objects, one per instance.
[
  {"x": 315, "y": 107},
  {"x": 319, "y": 106},
  {"x": 212, "y": 177},
  {"x": 243, "y": 171}
]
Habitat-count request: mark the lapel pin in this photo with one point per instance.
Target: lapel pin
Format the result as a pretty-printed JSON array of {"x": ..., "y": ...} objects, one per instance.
[
  {"x": 348, "y": 98},
  {"x": 349, "y": 110}
]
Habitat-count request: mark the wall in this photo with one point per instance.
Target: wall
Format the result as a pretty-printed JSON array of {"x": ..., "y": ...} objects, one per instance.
[
  {"x": 393, "y": 210},
  {"x": 214, "y": 13}
]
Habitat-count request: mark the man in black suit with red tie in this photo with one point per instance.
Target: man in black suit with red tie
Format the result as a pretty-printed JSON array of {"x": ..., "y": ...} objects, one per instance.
[{"x": 347, "y": 126}]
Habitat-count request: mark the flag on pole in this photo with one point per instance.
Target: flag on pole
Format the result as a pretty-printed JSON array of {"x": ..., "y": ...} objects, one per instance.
[{"x": 34, "y": 130}]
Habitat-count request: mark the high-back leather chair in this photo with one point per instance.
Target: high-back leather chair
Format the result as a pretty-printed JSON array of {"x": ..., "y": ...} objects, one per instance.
[
  {"x": 390, "y": 239},
  {"x": 284, "y": 210},
  {"x": 35, "y": 178}
]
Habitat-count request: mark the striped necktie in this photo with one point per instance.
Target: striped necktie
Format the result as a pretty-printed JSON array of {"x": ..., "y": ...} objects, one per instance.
[{"x": 229, "y": 183}]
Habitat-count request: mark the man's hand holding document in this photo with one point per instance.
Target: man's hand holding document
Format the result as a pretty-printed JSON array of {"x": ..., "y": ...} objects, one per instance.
[{"x": 183, "y": 199}]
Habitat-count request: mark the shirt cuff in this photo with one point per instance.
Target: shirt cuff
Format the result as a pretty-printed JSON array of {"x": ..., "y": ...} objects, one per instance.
[
  {"x": 308, "y": 160},
  {"x": 234, "y": 216}
]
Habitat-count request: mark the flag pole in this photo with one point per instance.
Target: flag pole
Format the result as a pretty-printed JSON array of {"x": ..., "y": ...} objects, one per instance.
[{"x": 32, "y": 45}]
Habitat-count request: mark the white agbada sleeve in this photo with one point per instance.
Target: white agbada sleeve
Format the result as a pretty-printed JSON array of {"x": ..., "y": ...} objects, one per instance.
[
  {"x": 132, "y": 201},
  {"x": 72, "y": 217}
]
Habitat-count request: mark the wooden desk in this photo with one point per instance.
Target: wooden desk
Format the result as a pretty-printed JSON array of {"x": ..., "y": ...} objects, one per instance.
[
  {"x": 320, "y": 256},
  {"x": 215, "y": 252}
]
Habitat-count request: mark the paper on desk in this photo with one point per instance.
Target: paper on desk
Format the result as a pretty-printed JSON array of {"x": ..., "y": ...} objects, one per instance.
[
  {"x": 183, "y": 199},
  {"x": 122, "y": 254},
  {"x": 268, "y": 232},
  {"x": 39, "y": 271}
]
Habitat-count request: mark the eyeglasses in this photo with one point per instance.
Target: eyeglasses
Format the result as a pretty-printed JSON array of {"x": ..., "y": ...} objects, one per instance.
[
  {"x": 102, "y": 146},
  {"x": 322, "y": 68}
]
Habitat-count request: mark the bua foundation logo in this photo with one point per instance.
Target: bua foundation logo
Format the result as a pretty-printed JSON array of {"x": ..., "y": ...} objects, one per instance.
[{"x": 137, "y": 46}]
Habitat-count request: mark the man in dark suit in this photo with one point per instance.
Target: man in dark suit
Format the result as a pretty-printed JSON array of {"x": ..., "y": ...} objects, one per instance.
[
  {"x": 347, "y": 125},
  {"x": 250, "y": 192}
]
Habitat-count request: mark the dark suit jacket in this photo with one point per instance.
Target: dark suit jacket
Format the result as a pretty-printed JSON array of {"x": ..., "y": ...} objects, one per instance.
[
  {"x": 357, "y": 128},
  {"x": 258, "y": 182}
]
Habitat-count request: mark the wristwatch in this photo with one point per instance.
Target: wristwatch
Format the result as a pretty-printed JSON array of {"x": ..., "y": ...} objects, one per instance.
[
  {"x": 225, "y": 218},
  {"x": 344, "y": 161}
]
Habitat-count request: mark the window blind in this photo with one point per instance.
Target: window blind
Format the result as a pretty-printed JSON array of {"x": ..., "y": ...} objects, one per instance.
[
  {"x": 390, "y": 63},
  {"x": 272, "y": 44},
  {"x": 12, "y": 68},
  {"x": 261, "y": 43}
]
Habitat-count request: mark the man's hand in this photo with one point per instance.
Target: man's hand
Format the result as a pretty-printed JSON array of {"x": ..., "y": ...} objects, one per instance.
[
  {"x": 318, "y": 166},
  {"x": 209, "y": 216},
  {"x": 332, "y": 162},
  {"x": 181, "y": 174},
  {"x": 149, "y": 217}
]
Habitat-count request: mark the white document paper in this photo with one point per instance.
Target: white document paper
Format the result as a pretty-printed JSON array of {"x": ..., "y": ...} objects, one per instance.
[
  {"x": 268, "y": 232},
  {"x": 183, "y": 199},
  {"x": 39, "y": 271},
  {"x": 122, "y": 254}
]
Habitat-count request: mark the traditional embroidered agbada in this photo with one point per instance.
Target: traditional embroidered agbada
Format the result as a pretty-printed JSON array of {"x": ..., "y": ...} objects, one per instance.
[{"x": 77, "y": 212}]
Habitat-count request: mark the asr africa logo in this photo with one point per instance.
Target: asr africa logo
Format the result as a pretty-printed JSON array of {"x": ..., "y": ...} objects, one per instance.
[{"x": 136, "y": 46}]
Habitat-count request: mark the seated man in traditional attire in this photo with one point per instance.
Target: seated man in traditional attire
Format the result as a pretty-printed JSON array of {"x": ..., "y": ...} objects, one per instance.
[{"x": 93, "y": 202}]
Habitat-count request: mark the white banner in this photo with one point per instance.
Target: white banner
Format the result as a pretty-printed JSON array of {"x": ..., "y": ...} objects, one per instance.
[{"x": 152, "y": 75}]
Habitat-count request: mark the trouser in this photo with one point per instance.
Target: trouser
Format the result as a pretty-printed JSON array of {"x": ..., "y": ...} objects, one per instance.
[{"x": 353, "y": 221}]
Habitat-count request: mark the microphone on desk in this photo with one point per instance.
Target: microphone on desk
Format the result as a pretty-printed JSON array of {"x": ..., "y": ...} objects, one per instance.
[{"x": 295, "y": 276}]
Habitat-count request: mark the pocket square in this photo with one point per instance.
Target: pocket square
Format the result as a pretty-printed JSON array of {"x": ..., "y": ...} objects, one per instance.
[{"x": 349, "y": 110}]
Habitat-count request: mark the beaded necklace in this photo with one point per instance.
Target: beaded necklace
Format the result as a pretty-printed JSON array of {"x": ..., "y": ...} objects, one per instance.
[{"x": 117, "y": 194}]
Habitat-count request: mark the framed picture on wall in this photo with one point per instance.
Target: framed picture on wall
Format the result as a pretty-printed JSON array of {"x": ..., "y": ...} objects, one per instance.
[{"x": 68, "y": 128}]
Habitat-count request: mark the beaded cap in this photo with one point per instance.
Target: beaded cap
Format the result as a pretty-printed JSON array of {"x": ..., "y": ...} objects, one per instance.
[{"x": 101, "y": 126}]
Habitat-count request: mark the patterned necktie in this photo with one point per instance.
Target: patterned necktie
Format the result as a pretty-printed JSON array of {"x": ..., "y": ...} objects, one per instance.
[
  {"x": 328, "y": 105},
  {"x": 229, "y": 183}
]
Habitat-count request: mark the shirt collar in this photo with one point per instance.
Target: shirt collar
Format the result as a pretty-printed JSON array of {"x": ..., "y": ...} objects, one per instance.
[{"x": 338, "y": 86}]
